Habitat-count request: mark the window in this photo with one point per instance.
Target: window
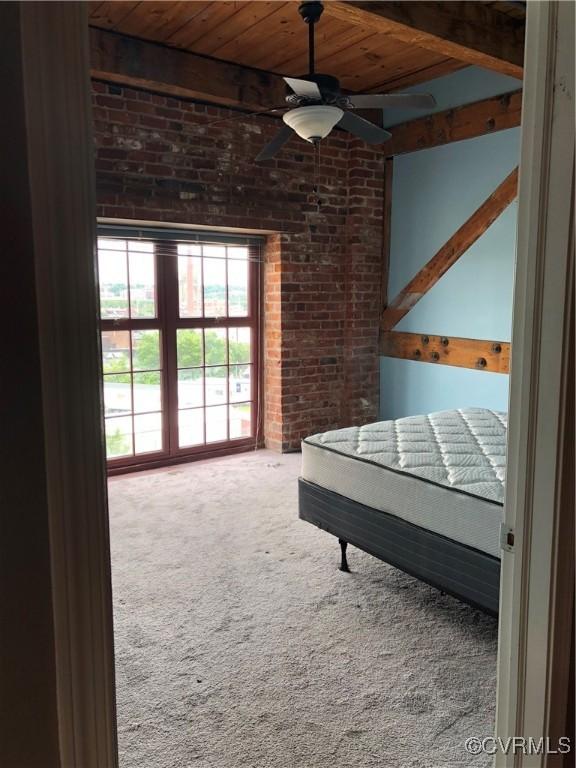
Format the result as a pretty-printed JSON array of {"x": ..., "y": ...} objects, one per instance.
[{"x": 179, "y": 345}]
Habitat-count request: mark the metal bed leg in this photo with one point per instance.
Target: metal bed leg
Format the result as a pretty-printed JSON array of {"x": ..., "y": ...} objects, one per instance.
[{"x": 343, "y": 561}]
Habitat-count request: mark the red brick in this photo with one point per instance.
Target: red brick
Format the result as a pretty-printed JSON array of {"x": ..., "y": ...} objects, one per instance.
[{"x": 321, "y": 276}]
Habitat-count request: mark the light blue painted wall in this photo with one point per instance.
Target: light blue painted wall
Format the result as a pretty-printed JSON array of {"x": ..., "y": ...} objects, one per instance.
[{"x": 434, "y": 192}]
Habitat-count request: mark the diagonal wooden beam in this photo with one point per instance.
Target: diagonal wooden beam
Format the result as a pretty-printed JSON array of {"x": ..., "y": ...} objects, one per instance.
[
  {"x": 491, "y": 356},
  {"x": 468, "y": 31},
  {"x": 451, "y": 251},
  {"x": 466, "y": 122},
  {"x": 125, "y": 60}
]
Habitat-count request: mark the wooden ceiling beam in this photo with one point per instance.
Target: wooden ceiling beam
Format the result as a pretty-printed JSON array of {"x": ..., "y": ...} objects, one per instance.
[
  {"x": 491, "y": 356},
  {"x": 468, "y": 31},
  {"x": 127, "y": 61},
  {"x": 466, "y": 122},
  {"x": 401, "y": 82},
  {"x": 472, "y": 229}
]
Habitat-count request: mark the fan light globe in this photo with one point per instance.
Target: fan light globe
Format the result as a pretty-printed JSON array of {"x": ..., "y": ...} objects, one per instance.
[{"x": 313, "y": 122}]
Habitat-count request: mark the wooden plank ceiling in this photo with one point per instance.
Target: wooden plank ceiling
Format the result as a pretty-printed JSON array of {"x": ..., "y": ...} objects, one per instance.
[
  {"x": 271, "y": 36},
  {"x": 516, "y": 10}
]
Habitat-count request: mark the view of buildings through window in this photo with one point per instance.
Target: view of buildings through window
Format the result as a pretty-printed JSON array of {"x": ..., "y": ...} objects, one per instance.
[{"x": 179, "y": 331}]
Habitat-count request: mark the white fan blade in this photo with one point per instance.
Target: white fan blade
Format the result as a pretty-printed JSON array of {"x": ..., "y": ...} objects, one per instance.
[{"x": 304, "y": 88}]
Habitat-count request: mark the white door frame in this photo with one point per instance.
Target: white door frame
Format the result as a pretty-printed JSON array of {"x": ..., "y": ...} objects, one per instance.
[
  {"x": 538, "y": 384},
  {"x": 56, "y": 86},
  {"x": 56, "y": 41}
]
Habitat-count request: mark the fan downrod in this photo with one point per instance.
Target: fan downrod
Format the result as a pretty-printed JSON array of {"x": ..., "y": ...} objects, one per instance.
[{"x": 310, "y": 12}]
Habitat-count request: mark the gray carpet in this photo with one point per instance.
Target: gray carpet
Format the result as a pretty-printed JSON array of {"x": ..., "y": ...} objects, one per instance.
[{"x": 240, "y": 645}]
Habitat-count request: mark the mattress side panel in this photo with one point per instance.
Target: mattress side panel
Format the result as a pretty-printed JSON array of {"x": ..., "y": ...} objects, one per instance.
[{"x": 471, "y": 521}]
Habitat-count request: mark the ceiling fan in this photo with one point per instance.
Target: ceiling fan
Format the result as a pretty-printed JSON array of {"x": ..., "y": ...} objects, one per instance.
[{"x": 320, "y": 105}]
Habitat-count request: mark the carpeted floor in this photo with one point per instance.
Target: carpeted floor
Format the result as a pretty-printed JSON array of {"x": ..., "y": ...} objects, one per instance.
[{"x": 240, "y": 645}]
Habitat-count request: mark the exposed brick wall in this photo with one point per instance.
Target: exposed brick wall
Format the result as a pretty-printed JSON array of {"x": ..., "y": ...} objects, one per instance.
[{"x": 156, "y": 159}]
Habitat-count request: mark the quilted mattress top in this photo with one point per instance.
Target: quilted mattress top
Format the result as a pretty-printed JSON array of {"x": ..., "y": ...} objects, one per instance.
[{"x": 464, "y": 449}]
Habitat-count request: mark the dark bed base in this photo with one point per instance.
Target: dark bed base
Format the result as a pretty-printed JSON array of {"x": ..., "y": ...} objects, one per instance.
[{"x": 468, "y": 574}]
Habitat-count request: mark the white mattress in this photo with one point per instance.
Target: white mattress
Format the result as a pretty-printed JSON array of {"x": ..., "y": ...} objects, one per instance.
[{"x": 444, "y": 471}]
